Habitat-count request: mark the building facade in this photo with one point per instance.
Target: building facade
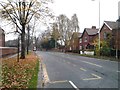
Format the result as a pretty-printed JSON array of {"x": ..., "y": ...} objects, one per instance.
[
  {"x": 110, "y": 32},
  {"x": 87, "y": 38}
]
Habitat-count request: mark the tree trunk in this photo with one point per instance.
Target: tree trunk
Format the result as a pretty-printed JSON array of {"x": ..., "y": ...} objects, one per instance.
[
  {"x": 28, "y": 39},
  {"x": 23, "y": 42}
]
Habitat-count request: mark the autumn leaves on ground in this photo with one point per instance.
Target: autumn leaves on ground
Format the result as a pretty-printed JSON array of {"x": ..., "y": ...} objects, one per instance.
[{"x": 22, "y": 74}]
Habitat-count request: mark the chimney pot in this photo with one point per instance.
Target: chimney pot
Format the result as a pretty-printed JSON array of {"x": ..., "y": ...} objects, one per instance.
[{"x": 93, "y": 27}]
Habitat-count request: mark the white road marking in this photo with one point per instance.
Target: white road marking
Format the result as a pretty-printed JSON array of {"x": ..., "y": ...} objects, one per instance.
[
  {"x": 118, "y": 71},
  {"x": 68, "y": 62},
  {"x": 73, "y": 85},
  {"x": 64, "y": 61},
  {"x": 83, "y": 69},
  {"x": 96, "y": 77},
  {"x": 74, "y": 65},
  {"x": 92, "y": 63}
]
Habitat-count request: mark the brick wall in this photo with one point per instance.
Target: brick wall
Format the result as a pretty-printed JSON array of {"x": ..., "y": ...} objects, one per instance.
[
  {"x": 4, "y": 51},
  {"x": 116, "y": 39}
]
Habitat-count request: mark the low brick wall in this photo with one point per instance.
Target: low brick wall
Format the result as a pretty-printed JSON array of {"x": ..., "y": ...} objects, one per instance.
[{"x": 4, "y": 51}]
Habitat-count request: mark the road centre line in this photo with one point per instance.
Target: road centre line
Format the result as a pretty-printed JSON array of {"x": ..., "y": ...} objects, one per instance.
[
  {"x": 96, "y": 77},
  {"x": 88, "y": 63},
  {"x": 68, "y": 62},
  {"x": 92, "y": 63},
  {"x": 83, "y": 69},
  {"x": 73, "y": 85}
]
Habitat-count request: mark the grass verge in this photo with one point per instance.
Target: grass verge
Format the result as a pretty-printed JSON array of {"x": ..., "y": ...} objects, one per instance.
[
  {"x": 34, "y": 79},
  {"x": 98, "y": 57},
  {"x": 101, "y": 57},
  {"x": 20, "y": 75}
]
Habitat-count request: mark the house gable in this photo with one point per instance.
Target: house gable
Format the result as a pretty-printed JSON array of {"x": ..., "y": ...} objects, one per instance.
[
  {"x": 108, "y": 26},
  {"x": 104, "y": 31}
]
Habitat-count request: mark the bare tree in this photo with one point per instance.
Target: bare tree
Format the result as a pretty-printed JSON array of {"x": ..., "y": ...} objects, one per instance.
[
  {"x": 21, "y": 12},
  {"x": 62, "y": 24},
  {"x": 55, "y": 33},
  {"x": 75, "y": 23}
]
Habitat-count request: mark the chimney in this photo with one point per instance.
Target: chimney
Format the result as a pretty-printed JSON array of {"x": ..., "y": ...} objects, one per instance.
[{"x": 93, "y": 27}]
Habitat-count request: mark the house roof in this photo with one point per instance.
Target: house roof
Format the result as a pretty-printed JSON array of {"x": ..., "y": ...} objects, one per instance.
[
  {"x": 111, "y": 24},
  {"x": 91, "y": 31}
]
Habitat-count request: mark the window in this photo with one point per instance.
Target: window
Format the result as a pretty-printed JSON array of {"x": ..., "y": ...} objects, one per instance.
[
  {"x": 80, "y": 47},
  {"x": 105, "y": 35},
  {"x": 80, "y": 40},
  {"x": 85, "y": 39}
]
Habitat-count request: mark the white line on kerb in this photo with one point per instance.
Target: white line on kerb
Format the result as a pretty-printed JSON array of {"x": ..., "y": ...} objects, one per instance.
[{"x": 73, "y": 85}]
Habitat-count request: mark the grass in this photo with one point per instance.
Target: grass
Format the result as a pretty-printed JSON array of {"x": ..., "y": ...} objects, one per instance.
[
  {"x": 98, "y": 57},
  {"x": 22, "y": 74},
  {"x": 34, "y": 79}
]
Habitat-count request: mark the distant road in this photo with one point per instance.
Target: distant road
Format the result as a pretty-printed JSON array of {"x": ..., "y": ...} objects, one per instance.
[{"x": 78, "y": 71}]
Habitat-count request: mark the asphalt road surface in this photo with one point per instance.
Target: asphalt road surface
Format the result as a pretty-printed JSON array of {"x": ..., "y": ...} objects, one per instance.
[{"x": 72, "y": 71}]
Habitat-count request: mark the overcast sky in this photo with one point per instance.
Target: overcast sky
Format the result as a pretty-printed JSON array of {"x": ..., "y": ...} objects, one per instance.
[{"x": 87, "y": 11}]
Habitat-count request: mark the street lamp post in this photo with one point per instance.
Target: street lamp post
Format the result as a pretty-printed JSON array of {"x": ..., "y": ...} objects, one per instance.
[
  {"x": 99, "y": 28},
  {"x": 99, "y": 25}
]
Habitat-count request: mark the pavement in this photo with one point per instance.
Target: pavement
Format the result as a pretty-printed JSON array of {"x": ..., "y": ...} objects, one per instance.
[{"x": 72, "y": 71}]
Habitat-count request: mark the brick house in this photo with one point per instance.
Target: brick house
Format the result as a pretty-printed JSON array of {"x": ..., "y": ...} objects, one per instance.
[
  {"x": 106, "y": 29},
  {"x": 116, "y": 37},
  {"x": 115, "y": 32},
  {"x": 109, "y": 31},
  {"x": 2, "y": 38},
  {"x": 87, "y": 38}
]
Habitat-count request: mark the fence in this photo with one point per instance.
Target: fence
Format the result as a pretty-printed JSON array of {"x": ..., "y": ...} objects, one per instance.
[{"x": 5, "y": 51}]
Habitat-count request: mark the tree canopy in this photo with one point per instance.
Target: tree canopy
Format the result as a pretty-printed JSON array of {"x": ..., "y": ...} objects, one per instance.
[{"x": 21, "y": 12}]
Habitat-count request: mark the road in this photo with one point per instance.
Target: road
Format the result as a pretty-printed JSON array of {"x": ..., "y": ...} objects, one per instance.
[{"x": 72, "y": 71}]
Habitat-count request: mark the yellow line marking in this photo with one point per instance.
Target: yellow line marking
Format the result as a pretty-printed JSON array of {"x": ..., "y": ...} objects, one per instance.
[
  {"x": 96, "y": 77},
  {"x": 83, "y": 69},
  {"x": 59, "y": 81},
  {"x": 45, "y": 73},
  {"x": 92, "y": 63}
]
